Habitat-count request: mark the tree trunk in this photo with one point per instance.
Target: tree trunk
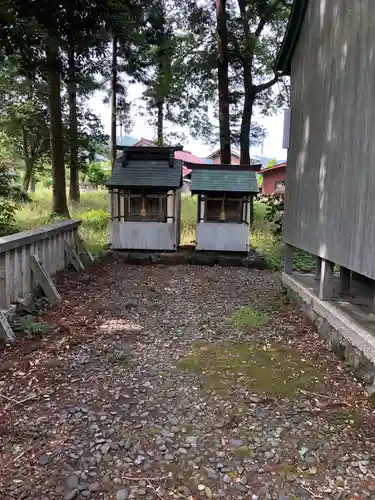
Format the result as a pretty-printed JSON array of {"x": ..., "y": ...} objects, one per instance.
[
  {"x": 114, "y": 101},
  {"x": 33, "y": 182},
  {"x": 27, "y": 160},
  {"x": 27, "y": 176},
  {"x": 223, "y": 80},
  {"x": 247, "y": 112},
  {"x": 74, "y": 193},
  {"x": 59, "y": 202},
  {"x": 160, "y": 123}
]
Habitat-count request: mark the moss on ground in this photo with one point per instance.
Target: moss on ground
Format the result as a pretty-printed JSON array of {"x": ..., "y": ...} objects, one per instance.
[{"x": 271, "y": 369}]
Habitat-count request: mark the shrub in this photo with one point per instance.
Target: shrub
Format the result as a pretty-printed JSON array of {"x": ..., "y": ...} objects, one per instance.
[
  {"x": 97, "y": 174},
  {"x": 188, "y": 216},
  {"x": 274, "y": 212},
  {"x": 95, "y": 219}
]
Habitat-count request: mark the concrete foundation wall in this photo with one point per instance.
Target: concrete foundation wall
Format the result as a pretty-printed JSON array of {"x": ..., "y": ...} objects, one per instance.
[
  {"x": 143, "y": 235},
  {"x": 222, "y": 237},
  {"x": 351, "y": 340}
]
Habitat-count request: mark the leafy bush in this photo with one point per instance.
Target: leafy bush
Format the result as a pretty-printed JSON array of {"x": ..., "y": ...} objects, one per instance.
[
  {"x": 274, "y": 212},
  {"x": 97, "y": 174},
  {"x": 95, "y": 219},
  {"x": 188, "y": 217}
]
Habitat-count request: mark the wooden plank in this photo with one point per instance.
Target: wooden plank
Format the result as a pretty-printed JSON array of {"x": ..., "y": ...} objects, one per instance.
[
  {"x": 44, "y": 280},
  {"x": 345, "y": 279},
  {"x": 6, "y": 331},
  {"x": 318, "y": 268},
  {"x": 73, "y": 258},
  {"x": 288, "y": 259}
]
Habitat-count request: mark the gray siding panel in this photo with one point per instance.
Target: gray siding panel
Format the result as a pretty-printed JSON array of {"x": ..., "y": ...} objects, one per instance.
[{"x": 330, "y": 179}]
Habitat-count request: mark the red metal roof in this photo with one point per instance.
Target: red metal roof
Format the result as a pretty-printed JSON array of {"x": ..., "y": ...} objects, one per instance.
[{"x": 275, "y": 167}]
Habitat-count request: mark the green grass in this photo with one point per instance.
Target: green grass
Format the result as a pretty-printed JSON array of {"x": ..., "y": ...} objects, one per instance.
[
  {"x": 245, "y": 317},
  {"x": 271, "y": 369},
  {"x": 188, "y": 218},
  {"x": 92, "y": 210}
]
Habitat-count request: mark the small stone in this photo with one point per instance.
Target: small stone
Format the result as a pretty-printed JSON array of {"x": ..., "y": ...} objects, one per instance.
[
  {"x": 211, "y": 474},
  {"x": 208, "y": 492},
  {"x": 44, "y": 459},
  {"x": 236, "y": 442},
  {"x": 227, "y": 479},
  {"x": 94, "y": 487},
  {"x": 142, "y": 491},
  {"x": 241, "y": 487},
  {"x": 201, "y": 487},
  {"x": 71, "y": 495},
  {"x": 139, "y": 460},
  {"x": 122, "y": 495},
  {"x": 128, "y": 444},
  {"x": 72, "y": 482},
  {"x": 192, "y": 440},
  {"x": 181, "y": 451},
  {"x": 105, "y": 448}
]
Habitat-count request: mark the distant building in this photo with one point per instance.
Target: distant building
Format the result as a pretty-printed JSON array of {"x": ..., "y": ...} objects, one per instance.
[
  {"x": 273, "y": 179},
  {"x": 215, "y": 157}
]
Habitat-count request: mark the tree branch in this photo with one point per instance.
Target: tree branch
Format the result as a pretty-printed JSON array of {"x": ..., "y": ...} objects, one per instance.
[{"x": 257, "y": 89}]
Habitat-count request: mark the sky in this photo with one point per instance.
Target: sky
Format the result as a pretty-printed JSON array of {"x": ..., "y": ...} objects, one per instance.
[{"x": 272, "y": 147}]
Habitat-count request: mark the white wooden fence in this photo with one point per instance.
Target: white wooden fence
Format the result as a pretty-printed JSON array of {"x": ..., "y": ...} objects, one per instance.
[{"x": 29, "y": 259}]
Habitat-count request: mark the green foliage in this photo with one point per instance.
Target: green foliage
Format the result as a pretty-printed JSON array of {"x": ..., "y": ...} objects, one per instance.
[
  {"x": 97, "y": 174},
  {"x": 274, "y": 212},
  {"x": 93, "y": 210},
  {"x": 28, "y": 325},
  {"x": 246, "y": 317},
  {"x": 96, "y": 219},
  {"x": 188, "y": 217},
  {"x": 271, "y": 163}
]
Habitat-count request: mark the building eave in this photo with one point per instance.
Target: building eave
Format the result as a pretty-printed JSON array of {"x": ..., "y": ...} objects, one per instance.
[{"x": 285, "y": 54}]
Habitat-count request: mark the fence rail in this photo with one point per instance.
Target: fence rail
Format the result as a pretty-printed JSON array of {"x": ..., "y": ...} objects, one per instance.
[{"x": 17, "y": 252}]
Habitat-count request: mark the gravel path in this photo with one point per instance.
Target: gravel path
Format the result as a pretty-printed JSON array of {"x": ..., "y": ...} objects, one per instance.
[{"x": 155, "y": 384}]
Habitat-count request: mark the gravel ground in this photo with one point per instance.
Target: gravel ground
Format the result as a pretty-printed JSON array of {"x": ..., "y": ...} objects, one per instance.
[{"x": 150, "y": 385}]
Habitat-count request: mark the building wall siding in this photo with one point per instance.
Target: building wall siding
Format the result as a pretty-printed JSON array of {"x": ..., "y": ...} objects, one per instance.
[
  {"x": 330, "y": 180},
  {"x": 270, "y": 179}
]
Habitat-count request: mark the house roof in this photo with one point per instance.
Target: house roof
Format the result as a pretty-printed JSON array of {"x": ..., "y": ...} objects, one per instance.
[
  {"x": 147, "y": 167},
  {"x": 234, "y": 152},
  {"x": 285, "y": 54},
  {"x": 270, "y": 169},
  {"x": 231, "y": 180}
]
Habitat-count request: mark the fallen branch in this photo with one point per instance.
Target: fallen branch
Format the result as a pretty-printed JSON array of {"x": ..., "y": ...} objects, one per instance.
[
  {"x": 311, "y": 492},
  {"x": 8, "y": 398},
  {"x": 29, "y": 398},
  {"x": 331, "y": 398},
  {"x": 161, "y": 478},
  {"x": 154, "y": 489}
]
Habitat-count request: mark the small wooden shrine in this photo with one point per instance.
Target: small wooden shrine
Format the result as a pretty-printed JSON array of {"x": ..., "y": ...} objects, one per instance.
[
  {"x": 224, "y": 200},
  {"x": 144, "y": 199}
]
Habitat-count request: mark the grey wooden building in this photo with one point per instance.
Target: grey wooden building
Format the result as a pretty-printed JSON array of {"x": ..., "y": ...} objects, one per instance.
[
  {"x": 145, "y": 199},
  {"x": 329, "y": 53},
  {"x": 223, "y": 208}
]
